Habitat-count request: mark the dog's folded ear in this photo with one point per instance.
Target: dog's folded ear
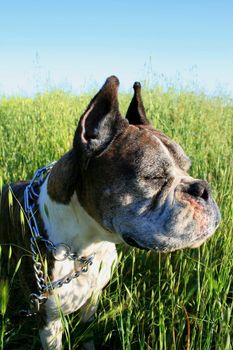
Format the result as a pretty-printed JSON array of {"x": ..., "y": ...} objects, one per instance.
[
  {"x": 136, "y": 114},
  {"x": 101, "y": 121}
]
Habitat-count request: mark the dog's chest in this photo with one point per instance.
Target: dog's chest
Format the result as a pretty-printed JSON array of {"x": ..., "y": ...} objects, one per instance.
[{"x": 72, "y": 296}]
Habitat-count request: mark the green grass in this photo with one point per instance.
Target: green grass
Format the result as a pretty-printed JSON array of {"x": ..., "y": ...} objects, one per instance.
[{"x": 182, "y": 300}]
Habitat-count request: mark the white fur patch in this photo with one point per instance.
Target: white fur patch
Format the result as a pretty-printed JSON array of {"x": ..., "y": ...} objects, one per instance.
[{"x": 70, "y": 224}]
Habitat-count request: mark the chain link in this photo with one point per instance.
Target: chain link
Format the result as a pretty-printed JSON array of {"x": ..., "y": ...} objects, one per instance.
[
  {"x": 67, "y": 279},
  {"x": 60, "y": 251}
]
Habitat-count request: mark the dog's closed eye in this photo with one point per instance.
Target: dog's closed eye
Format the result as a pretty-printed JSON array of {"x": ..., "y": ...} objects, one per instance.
[{"x": 153, "y": 177}]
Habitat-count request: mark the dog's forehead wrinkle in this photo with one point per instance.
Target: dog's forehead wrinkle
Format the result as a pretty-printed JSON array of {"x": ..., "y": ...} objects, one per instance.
[
  {"x": 174, "y": 149},
  {"x": 145, "y": 153},
  {"x": 157, "y": 155},
  {"x": 165, "y": 151}
]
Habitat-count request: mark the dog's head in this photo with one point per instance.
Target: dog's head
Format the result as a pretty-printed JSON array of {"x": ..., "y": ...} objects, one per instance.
[{"x": 133, "y": 180}]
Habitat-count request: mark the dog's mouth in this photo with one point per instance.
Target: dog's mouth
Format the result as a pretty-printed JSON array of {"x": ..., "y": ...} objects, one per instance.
[{"x": 130, "y": 241}]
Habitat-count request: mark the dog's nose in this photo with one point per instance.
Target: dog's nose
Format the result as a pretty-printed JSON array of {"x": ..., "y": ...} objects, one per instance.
[{"x": 198, "y": 189}]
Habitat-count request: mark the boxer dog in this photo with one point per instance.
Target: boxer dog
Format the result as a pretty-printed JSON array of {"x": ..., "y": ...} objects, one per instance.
[{"x": 122, "y": 181}]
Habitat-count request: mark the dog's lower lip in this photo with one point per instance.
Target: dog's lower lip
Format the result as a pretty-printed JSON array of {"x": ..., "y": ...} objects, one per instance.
[
  {"x": 130, "y": 241},
  {"x": 200, "y": 238}
]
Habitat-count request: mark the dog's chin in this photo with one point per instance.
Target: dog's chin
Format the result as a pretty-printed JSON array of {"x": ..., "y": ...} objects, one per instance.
[{"x": 197, "y": 243}]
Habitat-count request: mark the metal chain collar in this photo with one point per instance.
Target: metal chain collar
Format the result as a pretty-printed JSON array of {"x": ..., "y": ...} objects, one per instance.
[{"x": 60, "y": 251}]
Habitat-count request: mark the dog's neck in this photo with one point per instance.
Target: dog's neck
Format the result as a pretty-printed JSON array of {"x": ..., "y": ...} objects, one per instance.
[{"x": 71, "y": 224}]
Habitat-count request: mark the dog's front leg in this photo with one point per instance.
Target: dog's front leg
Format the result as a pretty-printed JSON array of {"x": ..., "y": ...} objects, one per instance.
[
  {"x": 51, "y": 335},
  {"x": 87, "y": 315}
]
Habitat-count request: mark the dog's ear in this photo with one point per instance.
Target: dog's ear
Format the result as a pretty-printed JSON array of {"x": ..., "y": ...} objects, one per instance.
[
  {"x": 101, "y": 121},
  {"x": 136, "y": 114}
]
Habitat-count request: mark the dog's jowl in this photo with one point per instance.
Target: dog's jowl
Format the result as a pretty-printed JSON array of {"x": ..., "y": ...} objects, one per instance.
[{"x": 122, "y": 181}]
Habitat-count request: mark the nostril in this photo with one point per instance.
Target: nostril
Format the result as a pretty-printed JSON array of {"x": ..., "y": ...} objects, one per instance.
[
  {"x": 199, "y": 189},
  {"x": 205, "y": 195}
]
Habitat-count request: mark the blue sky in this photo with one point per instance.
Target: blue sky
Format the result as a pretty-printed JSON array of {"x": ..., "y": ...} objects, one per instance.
[{"x": 75, "y": 45}]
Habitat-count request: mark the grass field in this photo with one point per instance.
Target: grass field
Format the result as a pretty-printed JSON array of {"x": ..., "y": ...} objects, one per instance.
[{"x": 182, "y": 300}]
